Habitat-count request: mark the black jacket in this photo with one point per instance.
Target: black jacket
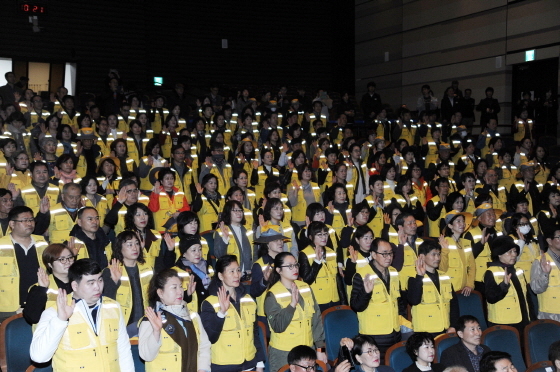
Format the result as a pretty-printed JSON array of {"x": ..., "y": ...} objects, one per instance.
[{"x": 456, "y": 355}]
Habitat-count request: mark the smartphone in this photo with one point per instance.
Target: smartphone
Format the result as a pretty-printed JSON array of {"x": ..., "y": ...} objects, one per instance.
[{"x": 347, "y": 355}]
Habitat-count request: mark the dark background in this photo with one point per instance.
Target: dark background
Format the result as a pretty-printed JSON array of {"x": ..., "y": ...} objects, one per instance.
[{"x": 271, "y": 43}]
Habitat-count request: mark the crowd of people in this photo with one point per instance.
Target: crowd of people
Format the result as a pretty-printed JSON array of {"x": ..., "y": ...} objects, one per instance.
[{"x": 187, "y": 224}]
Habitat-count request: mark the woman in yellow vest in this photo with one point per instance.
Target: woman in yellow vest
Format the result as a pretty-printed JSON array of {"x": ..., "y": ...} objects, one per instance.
[
  {"x": 192, "y": 262},
  {"x": 91, "y": 198},
  {"x": 337, "y": 194},
  {"x": 237, "y": 194},
  {"x": 404, "y": 196},
  {"x": 541, "y": 163},
  {"x": 57, "y": 258},
  {"x": 241, "y": 179},
  {"x": 127, "y": 279},
  {"x": 152, "y": 159},
  {"x": 292, "y": 312},
  {"x": 64, "y": 171},
  {"x": 505, "y": 286},
  {"x": 108, "y": 178},
  {"x": 229, "y": 318},
  {"x": 389, "y": 174},
  {"x": 119, "y": 149},
  {"x": 188, "y": 224},
  {"x": 271, "y": 243},
  {"x": 457, "y": 258},
  {"x": 524, "y": 236},
  {"x": 274, "y": 217},
  {"x": 158, "y": 249},
  {"x": 166, "y": 201},
  {"x": 318, "y": 266},
  {"x": 261, "y": 173},
  {"x": 302, "y": 193},
  {"x": 171, "y": 338},
  {"x": 20, "y": 176},
  {"x": 207, "y": 203},
  {"x": 137, "y": 140}
]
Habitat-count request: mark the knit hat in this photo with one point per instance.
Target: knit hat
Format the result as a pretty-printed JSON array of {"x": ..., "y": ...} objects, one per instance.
[
  {"x": 187, "y": 242},
  {"x": 501, "y": 245}
]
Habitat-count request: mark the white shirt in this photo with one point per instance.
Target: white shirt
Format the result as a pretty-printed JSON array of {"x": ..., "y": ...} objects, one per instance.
[
  {"x": 50, "y": 330},
  {"x": 26, "y": 249}
]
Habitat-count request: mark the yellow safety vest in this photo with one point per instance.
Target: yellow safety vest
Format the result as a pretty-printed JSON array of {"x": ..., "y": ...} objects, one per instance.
[
  {"x": 61, "y": 224},
  {"x": 232, "y": 247},
  {"x": 124, "y": 292},
  {"x": 208, "y": 214},
  {"x": 32, "y": 200},
  {"x": 236, "y": 342},
  {"x": 432, "y": 314},
  {"x": 102, "y": 208},
  {"x": 298, "y": 211},
  {"x": 507, "y": 310},
  {"x": 324, "y": 287},
  {"x": 300, "y": 327},
  {"x": 9, "y": 271},
  {"x": 529, "y": 254},
  {"x": 521, "y": 133},
  {"x": 381, "y": 317},
  {"x": 409, "y": 265},
  {"x": 167, "y": 207},
  {"x": 458, "y": 266},
  {"x": 259, "y": 187},
  {"x": 484, "y": 257},
  {"x": 169, "y": 357},
  {"x": 158, "y": 121},
  {"x": 548, "y": 300},
  {"x": 224, "y": 178},
  {"x": 80, "y": 349},
  {"x": 433, "y": 226}
]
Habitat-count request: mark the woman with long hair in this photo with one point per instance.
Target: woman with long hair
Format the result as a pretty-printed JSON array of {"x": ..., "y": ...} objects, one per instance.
[
  {"x": 404, "y": 196},
  {"x": 229, "y": 318},
  {"x": 127, "y": 279},
  {"x": 524, "y": 235},
  {"x": 152, "y": 159},
  {"x": 90, "y": 197},
  {"x": 292, "y": 312},
  {"x": 207, "y": 203},
  {"x": 119, "y": 149},
  {"x": 180, "y": 343},
  {"x": 108, "y": 172}
]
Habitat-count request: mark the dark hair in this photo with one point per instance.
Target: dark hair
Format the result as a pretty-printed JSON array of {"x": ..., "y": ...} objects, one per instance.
[
  {"x": 152, "y": 142},
  {"x": 403, "y": 181},
  {"x": 228, "y": 208},
  {"x": 391, "y": 208},
  {"x": 386, "y": 168},
  {"x": 127, "y": 182},
  {"x": 270, "y": 187},
  {"x": 315, "y": 228},
  {"x": 399, "y": 221},
  {"x": 122, "y": 238},
  {"x": 4, "y": 192},
  {"x": 451, "y": 198},
  {"x": 487, "y": 363},
  {"x": 207, "y": 178},
  {"x": 51, "y": 253},
  {"x": 121, "y": 140},
  {"x": 16, "y": 211},
  {"x": 301, "y": 168},
  {"x": 63, "y": 159},
  {"x": 296, "y": 154},
  {"x": 466, "y": 176},
  {"x": 84, "y": 266},
  {"x": 427, "y": 246},
  {"x": 159, "y": 281},
  {"x": 360, "y": 232},
  {"x": 129, "y": 217},
  {"x": 183, "y": 219},
  {"x": 463, "y": 320},
  {"x": 313, "y": 209},
  {"x": 82, "y": 210},
  {"x": 165, "y": 171},
  {"x": 222, "y": 264},
  {"x": 102, "y": 162},
  {"x": 301, "y": 352},
  {"x": 271, "y": 203},
  {"x": 554, "y": 352},
  {"x": 85, "y": 181},
  {"x": 415, "y": 342},
  {"x": 360, "y": 341},
  {"x": 238, "y": 172},
  {"x": 278, "y": 262},
  {"x": 16, "y": 116},
  {"x": 232, "y": 190}
]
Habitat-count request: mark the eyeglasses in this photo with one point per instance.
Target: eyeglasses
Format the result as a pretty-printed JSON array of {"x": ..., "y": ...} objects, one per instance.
[
  {"x": 556, "y": 237},
  {"x": 64, "y": 260},
  {"x": 385, "y": 254},
  {"x": 371, "y": 352},
  {"x": 291, "y": 266},
  {"x": 307, "y": 368},
  {"x": 27, "y": 220}
]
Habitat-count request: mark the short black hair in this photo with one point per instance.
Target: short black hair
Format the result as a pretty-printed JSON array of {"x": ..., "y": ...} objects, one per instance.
[
  {"x": 82, "y": 210},
  {"x": 554, "y": 352},
  {"x": 463, "y": 320},
  {"x": 399, "y": 221},
  {"x": 301, "y": 352},
  {"x": 487, "y": 363},
  {"x": 415, "y": 342},
  {"x": 427, "y": 246},
  {"x": 16, "y": 211},
  {"x": 36, "y": 164},
  {"x": 84, "y": 266}
]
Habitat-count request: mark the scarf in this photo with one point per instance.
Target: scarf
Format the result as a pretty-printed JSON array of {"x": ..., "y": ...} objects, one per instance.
[
  {"x": 68, "y": 177},
  {"x": 199, "y": 269}
]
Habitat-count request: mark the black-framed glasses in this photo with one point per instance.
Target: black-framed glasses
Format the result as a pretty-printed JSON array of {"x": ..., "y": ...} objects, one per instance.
[
  {"x": 27, "y": 220},
  {"x": 386, "y": 254},
  {"x": 371, "y": 351},
  {"x": 307, "y": 368},
  {"x": 64, "y": 260},
  {"x": 291, "y": 266}
]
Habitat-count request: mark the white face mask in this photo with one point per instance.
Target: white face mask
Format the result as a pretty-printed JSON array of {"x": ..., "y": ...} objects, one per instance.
[
  {"x": 463, "y": 134},
  {"x": 525, "y": 229}
]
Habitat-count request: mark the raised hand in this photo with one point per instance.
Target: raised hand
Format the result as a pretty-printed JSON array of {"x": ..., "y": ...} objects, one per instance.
[
  {"x": 15, "y": 192},
  {"x": 401, "y": 236},
  {"x": 255, "y": 164},
  {"x": 150, "y": 160},
  {"x": 266, "y": 272},
  {"x": 9, "y": 169},
  {"x": 352, "y": 254},
  {"x": 169, "y": 241},
  {"x": 64, "y": 310},
  {"x": 157, "y": 187},
  {"x": 79, "y": 148},
  {"x": 223, "y": 299},
  {"x": 199, "y": 188},
  {"x": 420, "y": 265},
  {"x": 192, "y": 285},
  {"x": 43, "y": 278},
  {"x": 386, "y": 219},
  {"x": 295, "y": 295},
  {"x": 466, "y": 291},
  {"x": 225, "y": 232},
  {"x": 330, "y": 207},
  {"x": 545, "y": 264},
  {"x": 121, "y": 198},
  {"x": 155, "y": 320},
  {"x": 38, "y": 156},
  {"x": 116, "y": 270},
  {"x": 261, "y": 221},
  {"x": 368, "y": 283},
  {"x": 443, "y": 242},
  {"x": 485, "y": 236},
  {"x": 71, "y": 244},
  {"x": 507, "y": 279}
]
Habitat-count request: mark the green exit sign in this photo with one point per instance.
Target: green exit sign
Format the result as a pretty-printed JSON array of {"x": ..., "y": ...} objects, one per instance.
[
  {"x": 530, "y": 55},
  {"x": 158, "y": 81}
]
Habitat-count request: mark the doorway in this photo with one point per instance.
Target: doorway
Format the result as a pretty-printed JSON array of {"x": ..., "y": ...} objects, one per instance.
[{"x": 536, "y": 78}]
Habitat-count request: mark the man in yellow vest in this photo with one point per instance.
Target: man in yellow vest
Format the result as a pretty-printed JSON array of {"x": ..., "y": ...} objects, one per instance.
[
  {"x": 87, "y": 333},
  {"x": 545, "y": 278},
  {"x": 63, "y": 215},
  {"x": 20, "y": 261},
  {"x": 31, "y": 195},
  {"x": 431, "y": 295},
  {"x": 376, "y": 297}
]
